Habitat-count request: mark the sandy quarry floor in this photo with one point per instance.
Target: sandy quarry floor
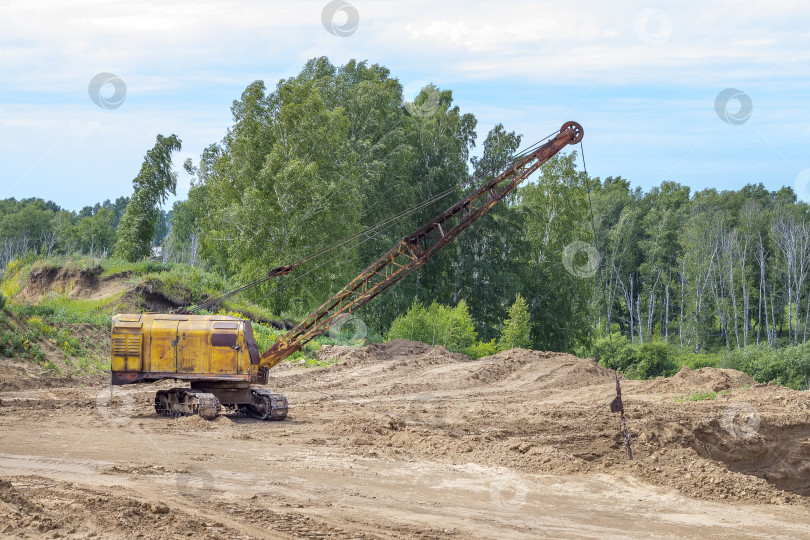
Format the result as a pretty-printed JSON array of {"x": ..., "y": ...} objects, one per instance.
[{"x": 407, "y": 441}]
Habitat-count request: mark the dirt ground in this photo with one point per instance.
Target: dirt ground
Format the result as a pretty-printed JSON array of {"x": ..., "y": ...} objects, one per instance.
[{"x": 407, "y": 441}]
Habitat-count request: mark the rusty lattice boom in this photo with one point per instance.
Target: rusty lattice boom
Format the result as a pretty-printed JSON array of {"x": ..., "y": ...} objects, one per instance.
[{"x": 415, "y": 250}]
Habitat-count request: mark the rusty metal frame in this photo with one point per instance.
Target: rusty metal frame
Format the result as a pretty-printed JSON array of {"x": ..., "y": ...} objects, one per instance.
[{"x": 415, "y": 250}]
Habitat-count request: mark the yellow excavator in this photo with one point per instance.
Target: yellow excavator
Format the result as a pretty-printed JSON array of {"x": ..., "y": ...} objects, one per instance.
[{"x": 218, "y": 355}]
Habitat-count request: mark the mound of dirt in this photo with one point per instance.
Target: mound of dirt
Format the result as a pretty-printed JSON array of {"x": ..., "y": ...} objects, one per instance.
[
  {"x": 542, "y": 369},
  {"x": 377, "y": 352},
  {"x": 32, "y": 508},
  {"x": 546, "y": 412},
  {"x": 706, "y": 379}
]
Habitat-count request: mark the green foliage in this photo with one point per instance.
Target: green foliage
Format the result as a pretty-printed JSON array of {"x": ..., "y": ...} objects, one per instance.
[
  {"x": 155, "y": 181},
  {"x": 139, "y": 268},
  {"x": 436, "y": 325},
  {"x": 697, "y": 396},
  {"x": 789, "y": 366},
  {"x": 614, "y": 352},
  {"x": 62, "y": 338},
  {"x": 96, "y": 233},
  {"x": 14, "y": 279},
  {"x": 22, "y": 345},
  {"x": 2, "y": 301},
  {"x": 62, "y": 310},
  {"x": 60, "y": 321},
  {"x": 696, "y": 361},
  {"x": 654, "y": 359},
  {"x": 183, "y": 284},
  {"x": 19, "y": 341},
  {"x": 482, "y": 349},
  {"x": 516, "y": 327}
]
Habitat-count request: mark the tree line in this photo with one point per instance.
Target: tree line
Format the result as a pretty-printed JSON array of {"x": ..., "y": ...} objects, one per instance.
[
  {"x": 34, "y": 226},
  {"x": 704, "y": 270},
  {"x": 335, "y": 150}
]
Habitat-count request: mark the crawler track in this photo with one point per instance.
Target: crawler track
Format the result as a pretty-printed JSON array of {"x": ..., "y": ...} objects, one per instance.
[
  {"x": 264, "y": 405},
  {"x": 186, "y": 402}
]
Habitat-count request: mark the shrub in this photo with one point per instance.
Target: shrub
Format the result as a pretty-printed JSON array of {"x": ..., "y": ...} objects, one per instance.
[
  {"x": 654, "y": 358},
  {"x": 612, "y": 352},
  {"x": 789, "y": 366},
  {"x": 515, "y": 331},
  {"x": 16, "y": 344},
  {"x": 2, "y": 301},
  {"x": 482, "y": 349},
  {"x": 646, "y": 361},
  {"x": 436, "y": 325},
  {"x": 697, "y": 361}
]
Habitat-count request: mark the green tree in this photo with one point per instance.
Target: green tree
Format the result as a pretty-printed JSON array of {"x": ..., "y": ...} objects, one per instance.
[
  {"x": 155, "y": 181},
  {"x": 491, "y": 255},
  {"x": 324, "y": 155},
  {"x": 516, "y": 328},
  {"x": 555, "y": 215},
  {"x": 96, "y": 233}
]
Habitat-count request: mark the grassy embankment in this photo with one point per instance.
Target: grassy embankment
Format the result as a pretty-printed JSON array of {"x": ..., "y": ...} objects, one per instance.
[{"x": 56, "y": 314}]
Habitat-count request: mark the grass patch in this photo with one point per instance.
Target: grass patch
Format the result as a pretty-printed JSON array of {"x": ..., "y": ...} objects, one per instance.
[
  {"x": 70, "y": 325},
  {"x": 69, "y": 311},
  {"x": 697, "y": 396},
  {"x": 14, "y": 278},
  {"x": 701, "y": 396},
  {"x": 141, "y": 268},
  {"x": 20, "y": 341}
]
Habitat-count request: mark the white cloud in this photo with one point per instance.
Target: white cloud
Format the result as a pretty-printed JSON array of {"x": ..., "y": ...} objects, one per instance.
[
  {"x": 66, "y": 41},
  {"x": 185, "y": 61}
]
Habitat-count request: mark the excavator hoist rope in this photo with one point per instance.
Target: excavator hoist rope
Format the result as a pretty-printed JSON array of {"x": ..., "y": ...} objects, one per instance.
[
  {"x": 369, "y": 232},
  {"x": 415, "y": 250},
  {"x": 285, "y": 270},
  {"x": 616, "y": 406},
  {"x": 305, "y": 274}
]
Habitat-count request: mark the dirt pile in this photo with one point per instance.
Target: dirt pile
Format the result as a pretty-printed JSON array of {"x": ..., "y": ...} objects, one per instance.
[
  {"x": 398, "y": 430},
  {"x": 541, "y": 369},
  {"x": 16, "y": 375},
  {"x": 706, "y": 379},
  {"x": 545, "y": 412},
  {"x": 31, "y": 507},
  {"x": 378, "y": 352}
]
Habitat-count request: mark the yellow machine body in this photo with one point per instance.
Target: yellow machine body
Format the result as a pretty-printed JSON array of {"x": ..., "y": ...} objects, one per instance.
[{"x": 151, "y": 346}]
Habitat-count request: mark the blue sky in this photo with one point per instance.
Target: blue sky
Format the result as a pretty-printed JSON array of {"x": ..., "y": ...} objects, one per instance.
[{"x": 642, "y": 78}]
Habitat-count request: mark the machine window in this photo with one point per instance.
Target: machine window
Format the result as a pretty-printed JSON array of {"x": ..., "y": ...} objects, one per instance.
[{"x": 223, "y": 340}]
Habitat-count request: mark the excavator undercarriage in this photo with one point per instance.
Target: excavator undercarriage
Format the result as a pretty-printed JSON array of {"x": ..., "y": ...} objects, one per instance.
[{"x": 208, "y": 399}]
